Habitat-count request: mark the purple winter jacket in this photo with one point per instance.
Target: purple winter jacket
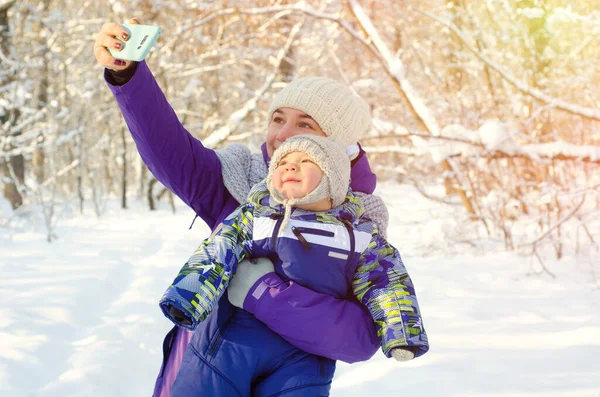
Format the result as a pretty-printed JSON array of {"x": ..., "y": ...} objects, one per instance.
[{"x": 345, "y": 330}]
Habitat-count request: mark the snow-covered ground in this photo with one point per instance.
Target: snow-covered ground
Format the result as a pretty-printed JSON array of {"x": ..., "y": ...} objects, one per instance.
[{"x": 79, "y": 316}]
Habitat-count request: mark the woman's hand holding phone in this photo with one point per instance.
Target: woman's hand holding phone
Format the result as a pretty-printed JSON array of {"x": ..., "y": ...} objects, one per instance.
[
  {"x": 141, "y": 40},
  {"x": 107, "y": 38}
]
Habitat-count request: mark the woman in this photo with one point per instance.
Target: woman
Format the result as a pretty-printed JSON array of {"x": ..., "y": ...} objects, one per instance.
[{"x": 214, "y": 183}]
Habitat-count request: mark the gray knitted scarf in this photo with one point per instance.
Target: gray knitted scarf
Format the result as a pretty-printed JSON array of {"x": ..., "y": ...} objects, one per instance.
[{"x": 242, "y": 169}]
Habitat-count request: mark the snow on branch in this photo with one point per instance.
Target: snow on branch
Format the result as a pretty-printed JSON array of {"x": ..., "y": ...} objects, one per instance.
[
  {"x": 15, "y": 132},
  {"x": 238, "y": 116},
  {"x": 396, "y": 69},
  {"x": 522, "y": 86},
  {"x": 562, "y": 151},
  {"x": 493, "y": 140},
  {"x": 6, "y": 4},
  {"x": 201, "y": 69},
  {"x": 280, "y": 11},
  {"x": 21, "y": 150},
  {"x": 14, "y": 64}
]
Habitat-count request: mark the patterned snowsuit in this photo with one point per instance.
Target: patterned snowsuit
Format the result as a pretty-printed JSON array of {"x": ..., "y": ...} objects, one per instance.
[{"x": 336, "y": 252}]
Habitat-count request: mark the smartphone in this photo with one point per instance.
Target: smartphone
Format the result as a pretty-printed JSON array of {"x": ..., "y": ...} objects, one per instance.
[{"x": 141, "y": 40}]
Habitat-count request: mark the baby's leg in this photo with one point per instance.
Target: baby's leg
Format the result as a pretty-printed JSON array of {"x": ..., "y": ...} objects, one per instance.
[
  {"x": 303, "y": 375},
  {"x": 226, "y": 356}
]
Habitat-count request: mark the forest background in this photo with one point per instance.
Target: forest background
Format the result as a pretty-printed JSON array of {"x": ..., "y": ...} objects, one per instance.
[{"x": 495, "y": 100}]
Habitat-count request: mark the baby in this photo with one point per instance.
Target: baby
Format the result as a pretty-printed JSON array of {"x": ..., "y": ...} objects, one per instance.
[{"x": 307, "y": 220}]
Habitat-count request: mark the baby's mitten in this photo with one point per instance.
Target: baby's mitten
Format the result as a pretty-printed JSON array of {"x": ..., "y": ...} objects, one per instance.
[
  {"x": 403, "y": 354},
  {"x": 247, "y": 274}
]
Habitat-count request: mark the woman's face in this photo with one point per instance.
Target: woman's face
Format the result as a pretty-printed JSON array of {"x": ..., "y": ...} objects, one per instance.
[
  {"x": 288, "y": 122},
  {"x": 296, "y": 175}
]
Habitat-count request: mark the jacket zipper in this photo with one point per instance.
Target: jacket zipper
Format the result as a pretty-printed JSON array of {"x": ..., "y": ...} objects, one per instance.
[
  {"x": 279, "y": 218},
  {"x": 310, "y": 230},
  {"x": 301, "y": 238},
  {"x": 215, "y": 343},
  {"x": 217, "y": 339},
  {"x": 299, "y": 230}
]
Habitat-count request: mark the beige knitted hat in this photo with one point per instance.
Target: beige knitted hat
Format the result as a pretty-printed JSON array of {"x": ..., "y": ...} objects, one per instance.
[
  {"x": 329, "y": 155},
  {"x": 341, "y": 114}
]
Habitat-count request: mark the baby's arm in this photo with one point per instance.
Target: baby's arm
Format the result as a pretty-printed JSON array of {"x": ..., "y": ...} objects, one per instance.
[
  {"x": 201, "y": 282},
  {"x": 383, "y": 285}
]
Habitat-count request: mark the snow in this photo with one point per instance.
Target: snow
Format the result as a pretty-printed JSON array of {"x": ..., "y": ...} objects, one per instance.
[
  {"x": 191, "y": 88},
  {"x": 567, "y": 15},
  {"x": 364, "y": 83},
  {"x": 79, "y": 316},
  {"x": 559, "y": 147},
  {"x": 441, "y": 150},
  {"x": 384, "y": 127},
  {"x": 491, "y": 136},
  {"x": 532, "y": 13},
  {"x": 494, "y": 135},
  {"x": 397, "y": 69}
]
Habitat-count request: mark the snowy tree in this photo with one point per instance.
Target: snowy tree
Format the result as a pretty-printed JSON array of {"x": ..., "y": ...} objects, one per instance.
[{"x": 493, "y": 100}]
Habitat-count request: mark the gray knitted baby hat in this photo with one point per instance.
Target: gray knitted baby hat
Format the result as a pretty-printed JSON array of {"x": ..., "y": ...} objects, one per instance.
[
  {"x": 329, "y": 155},
  {"x": 341, "y": 114}
]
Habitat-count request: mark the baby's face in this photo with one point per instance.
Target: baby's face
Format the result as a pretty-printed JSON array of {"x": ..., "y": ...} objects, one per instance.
[{"x": 296, "y": 175}]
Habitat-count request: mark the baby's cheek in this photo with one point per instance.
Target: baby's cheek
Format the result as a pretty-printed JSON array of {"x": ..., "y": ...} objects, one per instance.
[{"x": 277, "y": 179}]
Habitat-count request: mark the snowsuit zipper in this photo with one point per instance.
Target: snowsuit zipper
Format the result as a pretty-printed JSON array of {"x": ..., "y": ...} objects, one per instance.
[
  {"x": 279, "y": 218},
  {"x": 216, "y": 342},
  {"x": 318, "y": 232},
  {"x": 301, "y": 238},
  {"x": 299, "y": 230}
]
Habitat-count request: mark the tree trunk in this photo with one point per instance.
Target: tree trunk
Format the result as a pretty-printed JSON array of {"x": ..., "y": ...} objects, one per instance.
[
  {"x": 39, "y": 156},
  {"x": 124, "y": 170},
  {"x": 80, "y": 171},
  {"x": 12, "y": 167},
  {"x": 151, "y": 203}
]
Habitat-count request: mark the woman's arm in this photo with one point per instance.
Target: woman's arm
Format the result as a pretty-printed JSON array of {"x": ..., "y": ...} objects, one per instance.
[
  {"x": 316, "y": 323},
  {"x": 177, "y": 159}
]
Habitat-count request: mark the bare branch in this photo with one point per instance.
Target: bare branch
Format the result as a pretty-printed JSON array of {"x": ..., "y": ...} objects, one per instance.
[
  {"x": 396, "y": 69},
  {"x": 556, "y": 225},
  {"x": 583, "y": 111},
  {"x": 237, "y": 117},
  {"x": 424, "y": 193},
  {"x": 298, "y": 8}
]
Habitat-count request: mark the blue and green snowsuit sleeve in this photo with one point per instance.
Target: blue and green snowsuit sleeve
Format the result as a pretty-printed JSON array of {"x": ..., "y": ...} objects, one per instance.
[
  {"x": 202, "y": 280},
  {"x": 383, "y": 285}
]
